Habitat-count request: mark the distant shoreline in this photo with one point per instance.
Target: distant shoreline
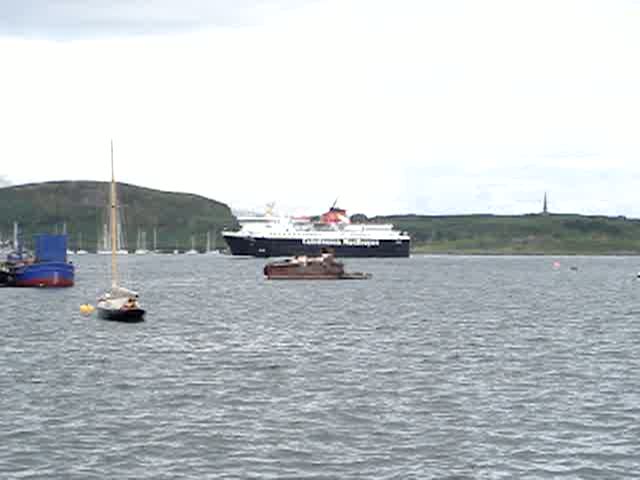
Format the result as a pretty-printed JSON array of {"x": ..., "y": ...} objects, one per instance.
[
  {"x": 501, "y": 253},
  {"x": 522, "y": 254}
]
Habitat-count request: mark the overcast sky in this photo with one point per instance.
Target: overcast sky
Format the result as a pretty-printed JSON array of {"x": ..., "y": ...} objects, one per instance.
[{"x": 419, "y": 106}]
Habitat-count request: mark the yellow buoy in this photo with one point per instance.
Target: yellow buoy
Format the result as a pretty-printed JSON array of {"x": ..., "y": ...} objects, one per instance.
[{"x": 86, "y": 309}]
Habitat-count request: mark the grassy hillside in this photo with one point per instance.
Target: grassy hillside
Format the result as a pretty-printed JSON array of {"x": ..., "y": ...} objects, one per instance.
[
  {"x": 525, "y": 234},
  {"x": 45, "y": 207}
]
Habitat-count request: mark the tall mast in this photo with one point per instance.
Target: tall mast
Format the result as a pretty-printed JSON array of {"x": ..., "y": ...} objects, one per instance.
[
  {"x": 114, "y": 268},
  {"x": 16, "y": 245}
]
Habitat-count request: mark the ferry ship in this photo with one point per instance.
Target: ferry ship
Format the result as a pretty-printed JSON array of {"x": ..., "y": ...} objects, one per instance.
[{"x": 281, "y": 236}]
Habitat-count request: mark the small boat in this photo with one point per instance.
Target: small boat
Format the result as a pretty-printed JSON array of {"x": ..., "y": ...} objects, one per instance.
[
  {"x": 49, "y": 267},
  {"x": 210, "y": 251},
  {"x": 193, "y": 250},
  {"x": 302, "y": 267},
  {"x": 141, "y": 248},
  {"x": 105, "y": 247},
  {"x": 119, "y": 303},
  {"x": 4, "y": 277},
  {"x": 80, "y": 250}
]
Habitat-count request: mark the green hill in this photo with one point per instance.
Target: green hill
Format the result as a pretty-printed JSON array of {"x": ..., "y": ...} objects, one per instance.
[
  {"x": 523, "y": 234},
  {"x": 82, "y": 206}
]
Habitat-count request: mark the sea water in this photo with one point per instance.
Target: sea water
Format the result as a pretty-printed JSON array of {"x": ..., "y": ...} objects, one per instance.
[{"x": 437, "y": 367}]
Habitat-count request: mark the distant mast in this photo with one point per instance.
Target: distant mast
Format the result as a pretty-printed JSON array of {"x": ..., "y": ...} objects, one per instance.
[
  {"x": 16, "y": 243},
  {"x": 114, "y": 268},
  {"x": 545, "y": 210},
  {"x": 105, "y": 236}
]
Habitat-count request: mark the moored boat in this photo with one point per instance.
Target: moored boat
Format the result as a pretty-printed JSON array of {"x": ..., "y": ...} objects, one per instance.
[
  {"x": 118, "y": 303},
  {"x": 5, "y": 276},
  {"x": 44, "y": 274},
  {"x": 49, "y": 266},
  {"x": 321, "y": 267},
  {"x": 193, "y": 250}
]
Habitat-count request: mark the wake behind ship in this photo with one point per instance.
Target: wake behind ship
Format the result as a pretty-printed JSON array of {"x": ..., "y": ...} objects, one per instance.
[{"x": 276, "y": 236}]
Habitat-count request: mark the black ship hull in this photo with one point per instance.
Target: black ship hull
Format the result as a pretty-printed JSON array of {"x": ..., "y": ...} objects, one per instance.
[
  {"x": 286, "y": 247},
  {"x": 132, "y": 315}
]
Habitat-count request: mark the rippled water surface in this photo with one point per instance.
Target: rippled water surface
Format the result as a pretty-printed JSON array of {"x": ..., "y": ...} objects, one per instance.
[{"x": 438, "y": 367}]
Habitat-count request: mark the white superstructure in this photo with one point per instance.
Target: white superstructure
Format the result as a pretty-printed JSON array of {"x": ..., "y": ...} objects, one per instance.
[{"x": 287, "y": 227}]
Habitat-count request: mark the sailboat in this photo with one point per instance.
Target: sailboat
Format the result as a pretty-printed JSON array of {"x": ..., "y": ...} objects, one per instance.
[
  {"x": 80, "y": 250},
  {"x": 106, "y": 239},
  {"x": 193, "y": 250},
  {"x": 118, "y": 303},
  {"x": 64, "y": 232},
  {"x": 209, "y": 251},
  {"x": 106, "y": 250},
  {"x": 155, "y": 240},
  {"x": 141, "y": 248}
]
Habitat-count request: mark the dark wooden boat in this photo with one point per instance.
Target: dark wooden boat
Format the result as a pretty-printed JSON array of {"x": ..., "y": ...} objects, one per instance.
[
  {"x": 131, "y": 315},
  {"x": 321, "y": 267}
]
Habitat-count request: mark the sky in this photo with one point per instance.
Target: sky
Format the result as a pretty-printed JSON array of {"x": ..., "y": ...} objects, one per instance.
[{"x": 410, "y": 106}]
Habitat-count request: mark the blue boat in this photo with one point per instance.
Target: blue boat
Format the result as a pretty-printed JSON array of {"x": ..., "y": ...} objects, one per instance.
[{"x": 48, "y": 268}]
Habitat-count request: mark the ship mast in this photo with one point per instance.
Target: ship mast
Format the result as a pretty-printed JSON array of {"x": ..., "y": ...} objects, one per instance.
[
  {"x": 114, "y": 268},
  {"x": 16, "y": 244}
]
